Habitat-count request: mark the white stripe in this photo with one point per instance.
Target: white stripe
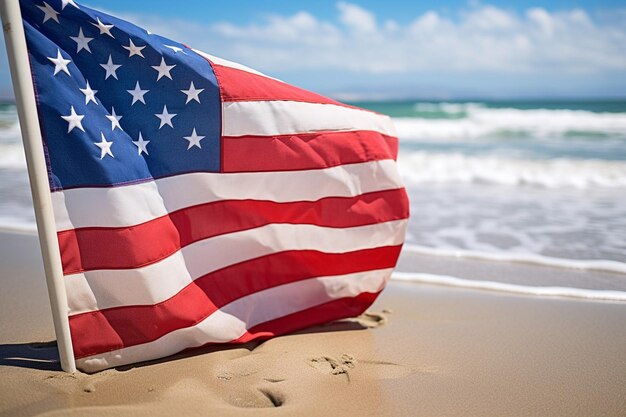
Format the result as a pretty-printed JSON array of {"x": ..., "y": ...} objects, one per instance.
[
  {"x": 157, "y": 282},
  {"x": 567, "y": 292},
  {"x": 267, "y": 118},
  {"x": 226, "y": 63},
  {"x": 232, "y": 321},
  {"x": 138, "y": 203}
]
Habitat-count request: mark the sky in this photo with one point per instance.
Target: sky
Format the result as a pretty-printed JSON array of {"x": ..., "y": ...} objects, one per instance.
[{"x": 393, "y": 49}]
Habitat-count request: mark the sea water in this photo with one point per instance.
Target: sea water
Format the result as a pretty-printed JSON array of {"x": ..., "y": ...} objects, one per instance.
[
  {"x": 534, "y": 177},
  {"x": 530, "y": 180},
  {"x": 16, "y": 207}
]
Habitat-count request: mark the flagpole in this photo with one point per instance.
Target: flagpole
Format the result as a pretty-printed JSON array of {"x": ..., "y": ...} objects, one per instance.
[{"x": 38, "y": 174}]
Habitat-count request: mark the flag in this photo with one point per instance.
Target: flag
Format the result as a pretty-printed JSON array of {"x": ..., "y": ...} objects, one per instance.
[{"x": 198, "y": 201}]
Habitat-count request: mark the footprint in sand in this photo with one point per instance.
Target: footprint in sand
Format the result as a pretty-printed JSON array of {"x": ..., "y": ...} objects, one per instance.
[
  {"x": 245, "y": 384},
  {"x": 333, "y": 366},
  {"x": 372, "y": 319},
  {"x": 347, "y": 364},
  {"x": 255, "y": 398},
  {"x": 265, "y": 378}
]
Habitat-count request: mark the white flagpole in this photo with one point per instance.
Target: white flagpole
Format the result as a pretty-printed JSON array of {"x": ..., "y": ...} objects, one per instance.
[{"x": 38, "y": 174}]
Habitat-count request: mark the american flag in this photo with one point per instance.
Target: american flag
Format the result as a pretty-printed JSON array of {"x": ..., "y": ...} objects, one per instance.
[{"x": 198, "y": 201}]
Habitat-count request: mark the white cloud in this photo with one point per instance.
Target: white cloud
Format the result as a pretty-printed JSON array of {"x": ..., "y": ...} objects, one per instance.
[
  {"x": 356, "y": 17},
  {"x": 482, "y": 38},
  {"x": 489, "y": 19},
  {"x": 542, "y": 19}
]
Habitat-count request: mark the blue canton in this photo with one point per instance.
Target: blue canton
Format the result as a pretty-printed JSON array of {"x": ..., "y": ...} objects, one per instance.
[{"x": 118, "y": 104}]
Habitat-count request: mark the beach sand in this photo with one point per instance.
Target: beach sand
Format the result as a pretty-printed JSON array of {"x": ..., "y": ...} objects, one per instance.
[{"x": 424, "y": 350}]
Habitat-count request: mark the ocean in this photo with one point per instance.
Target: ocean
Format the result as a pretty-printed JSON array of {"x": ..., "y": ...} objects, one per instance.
[
  {"x": 541, "y": 178},
  {"x": 499, "y": 179}
]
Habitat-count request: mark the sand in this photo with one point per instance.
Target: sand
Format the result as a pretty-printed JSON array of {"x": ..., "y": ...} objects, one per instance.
[{"x": 424, "y": 350}]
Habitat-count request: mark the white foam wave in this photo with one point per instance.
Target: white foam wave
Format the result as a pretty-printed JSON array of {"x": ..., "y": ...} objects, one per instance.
[
  {"x": 12, "y": 156},
  {"x": 439, "y": 168},
  {"x": 11, "y": 132},
  {"x": 446, "y": 280},
  {"x": 481, "y": 121},
  {"x": 452, "y": 109},
  {"x": 15, "y": 224},
  {"x": 527, "y": 258}
]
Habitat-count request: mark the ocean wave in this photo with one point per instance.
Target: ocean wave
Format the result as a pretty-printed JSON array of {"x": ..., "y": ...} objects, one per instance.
[
  {"x": 12, "y": 156},
  {"x": 538, "y": 291},
  {"x": 444, "y": 110},
  {"x": 447, "y": 107},
  {"x": 9, "y": 130},
  {"x": 15, "y": 225},
  {"x": 478, "y": 121},
  {"x": 436, "y": 168},
  {"x": 525, "y": 258}
]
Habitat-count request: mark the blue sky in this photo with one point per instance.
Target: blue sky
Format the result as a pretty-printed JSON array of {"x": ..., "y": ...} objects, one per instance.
[
  {"x": 386, "y": 49},
  {"x": 248, "y": 11}
]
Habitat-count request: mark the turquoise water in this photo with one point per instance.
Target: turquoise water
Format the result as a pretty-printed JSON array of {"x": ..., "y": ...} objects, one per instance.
[
  {"x": 533, "y": 129},
  {"x": 433, "y": 109}
]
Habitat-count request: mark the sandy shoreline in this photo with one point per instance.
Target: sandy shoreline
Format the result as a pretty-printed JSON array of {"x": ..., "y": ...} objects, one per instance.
[{"x": 441, "y": 351}]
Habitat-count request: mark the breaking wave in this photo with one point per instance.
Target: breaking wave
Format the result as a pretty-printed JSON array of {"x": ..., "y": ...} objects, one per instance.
[
  {"x": 427, "y": 167},
  {"x": 12, "y": 156},
  {"x": 537, "y": 291},
  {"x": 460, "y": 121}
]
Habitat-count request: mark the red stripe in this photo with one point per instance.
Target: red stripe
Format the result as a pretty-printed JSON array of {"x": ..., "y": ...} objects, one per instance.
[
  {"x": 131, "y": 247},
  {"x": 240, "y": 85},
  {"x": 119, "y": 327},
  {"x": 320, "y": 314},
  {"x": 305, "y": 150},
  {"x": 323, "y": 313}
]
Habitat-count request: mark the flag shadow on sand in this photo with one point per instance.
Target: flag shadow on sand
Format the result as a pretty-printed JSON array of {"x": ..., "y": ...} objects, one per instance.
[{"x": 44, "y": 356}]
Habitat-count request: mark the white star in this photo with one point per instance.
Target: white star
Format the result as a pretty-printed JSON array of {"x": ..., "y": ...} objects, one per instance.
[
  {"x": 104, "y": 29},
  {"x": 66, "y": 2},
  {"x": 110, "y": 68},
  {"x": 82, "y": 42},
  {"x": 133, "y": 49},
  {"x": 74, "y": 120},
  {"x": 176, "y": 49},
  {"x": 60, "y": 64},
  {"x": 115, "y": 119},
  {"x": 192, "y": 93},
  {"x": 90, "y": 95},
  {"x": 49, "y": 13},
  {"x": 141, "y": 145},
  {"x": 166, "y": 118},
  {"x": 163, "y": 69},
  {"x": 105, "y": 147},
  {"x": 137, "y": 94},
  {"x": 194, "y": 139}
]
